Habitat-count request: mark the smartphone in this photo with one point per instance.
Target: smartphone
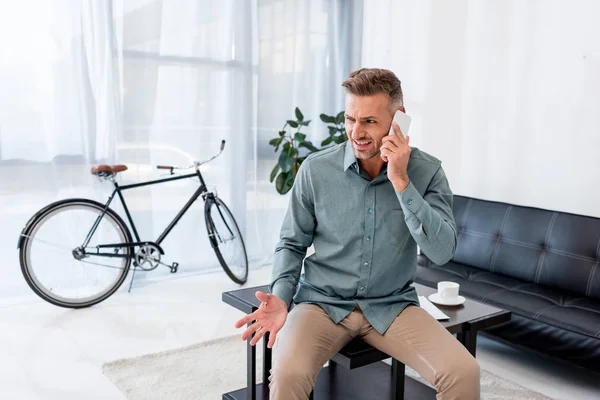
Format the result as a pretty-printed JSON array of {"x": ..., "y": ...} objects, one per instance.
[{"x": 403, "y": 122}]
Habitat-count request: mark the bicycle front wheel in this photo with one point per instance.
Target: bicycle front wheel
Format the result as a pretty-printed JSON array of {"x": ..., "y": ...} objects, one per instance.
[
  {"x": 226, "y": 240},
  {"x": 61, "y": 267}
]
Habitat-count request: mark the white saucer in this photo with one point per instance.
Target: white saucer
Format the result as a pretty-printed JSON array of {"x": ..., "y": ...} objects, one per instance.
[{"x": 435, "y": 298}]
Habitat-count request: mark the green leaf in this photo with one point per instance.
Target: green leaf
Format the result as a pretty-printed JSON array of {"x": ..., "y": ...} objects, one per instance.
[
  {"x": 279, "y": 140},
  {"x": 282, "y": 133},
  {"x": 299, "y": 137},
  {"x": 305, "y": 123},
  {"x": 274, "y": 172},
  {"x": 339, "y": 119},
  {"x": 295, "y": 169},
  {"x": 327, "y": 141},
  {"x": 309, "y": 146},
  {"x": 289, "y": 182},
  {"x": 327, "y": 118},
  {"x": 276, "y": 141},
  {"x": 332, "y": 130},
  {"x": 285, "y": 161},
  {"x": 293, "y": 124},
  {"x": 299, "y": 115},
  {"x": 280, "y": 182},
  {"x": 287, "y": 158},
  {"x": 340, "y": 139}
]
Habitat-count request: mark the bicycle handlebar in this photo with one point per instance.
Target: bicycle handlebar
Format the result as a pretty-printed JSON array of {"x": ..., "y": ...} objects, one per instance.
[{"x": 196, "y": 163}]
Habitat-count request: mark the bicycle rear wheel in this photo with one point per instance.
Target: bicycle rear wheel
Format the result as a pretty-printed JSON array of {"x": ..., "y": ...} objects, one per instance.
[
  {"x": 57, "y": 266},
  {"x": 226, "y": 239}
]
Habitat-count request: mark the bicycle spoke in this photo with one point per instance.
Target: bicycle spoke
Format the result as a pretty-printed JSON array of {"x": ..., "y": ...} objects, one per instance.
[
  {"x": 224, "y": 220},
  {"x": 58, "y": 246},
  {"x": 59, "y": 269},
  {"x": 220, "y": 238}
]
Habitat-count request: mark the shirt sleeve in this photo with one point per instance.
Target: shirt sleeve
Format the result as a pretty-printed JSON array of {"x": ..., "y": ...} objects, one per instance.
[
  {"x": 430, "y": 219},
  {"x": 296, "y": 236}
]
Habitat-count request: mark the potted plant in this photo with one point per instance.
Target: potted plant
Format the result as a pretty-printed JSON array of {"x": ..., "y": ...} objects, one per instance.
[{"x": 292, "y": 140}]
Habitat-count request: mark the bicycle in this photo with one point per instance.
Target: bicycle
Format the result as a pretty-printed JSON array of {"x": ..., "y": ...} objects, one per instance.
[{"x": 108, "y": 239}]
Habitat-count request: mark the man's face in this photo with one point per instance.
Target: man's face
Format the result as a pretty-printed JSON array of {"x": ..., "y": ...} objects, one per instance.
[{"x": 368, "y": 120}]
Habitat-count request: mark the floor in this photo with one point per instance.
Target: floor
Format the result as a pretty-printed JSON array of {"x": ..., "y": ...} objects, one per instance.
[{"x": 51, "y": 353}]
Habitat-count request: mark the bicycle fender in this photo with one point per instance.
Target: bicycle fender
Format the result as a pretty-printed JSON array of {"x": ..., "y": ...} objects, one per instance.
[
  {"x": 209, "y": 228},
  {"x": 29, "y": 223},
  {"x": 41, "y": 212}
]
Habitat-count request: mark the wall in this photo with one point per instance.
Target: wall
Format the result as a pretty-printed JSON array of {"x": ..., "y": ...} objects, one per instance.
[{"x": 505, "y": 93}]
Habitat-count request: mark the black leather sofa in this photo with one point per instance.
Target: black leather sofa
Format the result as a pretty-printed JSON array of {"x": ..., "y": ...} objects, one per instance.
[{"x": 542, "y": 265}]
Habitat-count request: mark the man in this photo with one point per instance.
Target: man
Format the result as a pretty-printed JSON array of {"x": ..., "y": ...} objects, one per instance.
[{"x": 365, "y": 205}]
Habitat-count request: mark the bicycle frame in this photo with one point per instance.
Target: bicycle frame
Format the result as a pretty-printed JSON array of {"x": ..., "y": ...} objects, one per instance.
[
  {"x": 118, "y": 191},
  {"x": 132, "y": 253}
]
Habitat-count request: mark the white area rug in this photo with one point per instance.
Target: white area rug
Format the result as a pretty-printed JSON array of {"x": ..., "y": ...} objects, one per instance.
[{"x": 207, "y": 370}]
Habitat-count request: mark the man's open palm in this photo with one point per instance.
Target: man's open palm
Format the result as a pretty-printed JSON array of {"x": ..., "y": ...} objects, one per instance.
[{"x": 269, "y": 317}]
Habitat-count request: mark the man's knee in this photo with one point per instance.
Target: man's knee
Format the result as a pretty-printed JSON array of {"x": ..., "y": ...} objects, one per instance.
[
  {"x": 288, "y": 373},
  {"x": 463, "y": 370},
  {"x": 469, "y": 369}
]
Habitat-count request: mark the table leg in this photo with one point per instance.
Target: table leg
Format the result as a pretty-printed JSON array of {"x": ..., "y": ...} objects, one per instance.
[
  {"x": 332, "y": 365},
  {"x": 398, "y": 379},
  {"x": 469, "y": 340},
  {"x": 251, "y": 368},
  {"x": 267, "y": 353}
]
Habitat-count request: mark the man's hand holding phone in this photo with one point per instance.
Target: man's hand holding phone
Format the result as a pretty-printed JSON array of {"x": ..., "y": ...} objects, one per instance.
[
  {"x": 395, "y": 150},
  {"x": 402, "y": 120}
]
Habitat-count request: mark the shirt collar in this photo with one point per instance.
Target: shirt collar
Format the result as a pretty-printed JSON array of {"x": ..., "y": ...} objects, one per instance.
[{"x": 349, "y": 157}]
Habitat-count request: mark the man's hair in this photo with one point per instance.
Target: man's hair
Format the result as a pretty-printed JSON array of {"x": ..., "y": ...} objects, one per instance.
[{"x": 370, "y": 81}]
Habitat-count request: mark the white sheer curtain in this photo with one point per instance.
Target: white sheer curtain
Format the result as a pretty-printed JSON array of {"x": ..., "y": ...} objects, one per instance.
[
  {"x": 147, "y": 82},
  {"x": 504, "y": 92},
  {"x": 186, "y": 84},
  {"x": 59, "y": 112},
  {"x": 305, "y": 50}
]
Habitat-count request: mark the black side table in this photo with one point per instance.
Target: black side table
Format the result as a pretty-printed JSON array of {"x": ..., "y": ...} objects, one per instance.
[{"x": 375, "y": 379}]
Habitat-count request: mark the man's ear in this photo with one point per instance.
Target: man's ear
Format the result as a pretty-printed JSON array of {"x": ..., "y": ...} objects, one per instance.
[{"x": 401, "y": 108}]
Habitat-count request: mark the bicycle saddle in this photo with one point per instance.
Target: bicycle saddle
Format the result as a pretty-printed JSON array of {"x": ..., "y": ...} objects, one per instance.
[{"x": 107, "y": 170}]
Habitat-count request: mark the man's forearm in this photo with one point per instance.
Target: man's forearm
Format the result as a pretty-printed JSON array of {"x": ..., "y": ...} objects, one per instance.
[
  {"x": 434, "y": 235},
  {"x": 287, "y": 267},
  {"x": 295, "y": 238},
  {"x": 400, "y": 184}
]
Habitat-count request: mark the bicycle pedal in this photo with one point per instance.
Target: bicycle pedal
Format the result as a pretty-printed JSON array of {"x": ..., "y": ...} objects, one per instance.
[{"x": 174, "y": 267}]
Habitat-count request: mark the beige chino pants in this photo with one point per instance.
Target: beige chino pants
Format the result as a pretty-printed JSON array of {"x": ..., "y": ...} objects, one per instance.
[{"x": 310, "y": 338}]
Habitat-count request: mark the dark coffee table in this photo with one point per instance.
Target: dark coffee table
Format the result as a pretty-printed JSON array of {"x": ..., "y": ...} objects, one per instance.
[{"x": 374, "y": 378}]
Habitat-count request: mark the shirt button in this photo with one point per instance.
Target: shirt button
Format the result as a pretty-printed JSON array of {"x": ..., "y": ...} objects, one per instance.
[
  {"x": 369, "y": 211},
  {"x": 366, "y": 264},
  {"x": 362, "y": 288},
  {"x": 409, "y": 202},
  {"x": 368, "y": 238}
]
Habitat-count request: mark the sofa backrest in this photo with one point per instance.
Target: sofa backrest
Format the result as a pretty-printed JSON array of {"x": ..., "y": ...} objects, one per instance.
[{"x": 555, "y": 249}]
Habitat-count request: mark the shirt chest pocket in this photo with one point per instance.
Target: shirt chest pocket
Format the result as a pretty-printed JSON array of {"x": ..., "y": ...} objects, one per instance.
[{"x": 394, "y": 227}]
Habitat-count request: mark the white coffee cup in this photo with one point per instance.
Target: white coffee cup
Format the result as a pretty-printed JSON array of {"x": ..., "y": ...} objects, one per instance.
[{"x": 448, "y": 291}]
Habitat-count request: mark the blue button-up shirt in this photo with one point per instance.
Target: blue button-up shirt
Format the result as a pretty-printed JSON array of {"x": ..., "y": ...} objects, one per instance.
[{"x": 365, "y": 235}]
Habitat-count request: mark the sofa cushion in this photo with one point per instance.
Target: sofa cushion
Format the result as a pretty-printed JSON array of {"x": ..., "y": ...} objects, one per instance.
[
  {"x": 569, "y": 311},
  {"x": 549, "y": 340},
  {"x": 555, "y": 249}
]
